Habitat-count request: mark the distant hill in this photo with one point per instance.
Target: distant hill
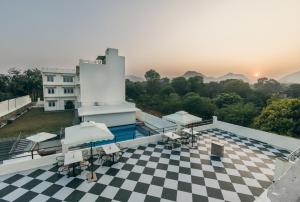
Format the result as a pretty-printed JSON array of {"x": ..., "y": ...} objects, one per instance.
[
  {"x": 233, "y": 76},
  {"x": 291, "y": 78},
  {"x": 207, "y": 79},
  {"x": 134, "y": 78},
  {"x": 190, "y": 74}
]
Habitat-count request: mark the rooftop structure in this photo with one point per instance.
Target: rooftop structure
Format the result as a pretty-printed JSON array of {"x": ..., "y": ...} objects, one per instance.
[{"x": 149, "y": 170}]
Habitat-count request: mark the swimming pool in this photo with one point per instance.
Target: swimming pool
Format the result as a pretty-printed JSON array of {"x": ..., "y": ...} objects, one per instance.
[{"x": 127, "y": 132}]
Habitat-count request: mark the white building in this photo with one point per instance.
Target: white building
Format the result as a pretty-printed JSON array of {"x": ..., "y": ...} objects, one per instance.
[
  {"x": 60, "y": 89},
  {"x": 102, "y": 90},
  {"x": 96, "y": 89}
]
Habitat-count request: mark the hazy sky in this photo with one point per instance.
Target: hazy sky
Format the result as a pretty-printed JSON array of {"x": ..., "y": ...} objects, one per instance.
[{"x": 210, "y": 36}]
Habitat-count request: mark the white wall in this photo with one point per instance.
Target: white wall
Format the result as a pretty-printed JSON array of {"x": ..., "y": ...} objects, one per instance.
[
  {"x": 285, "y": 142},
  {"x": 115, "y": 119},
  {"x": 103, "y": 83},
  {"x": 12, "y": 105},
  {"x": 51, "y": 159}
]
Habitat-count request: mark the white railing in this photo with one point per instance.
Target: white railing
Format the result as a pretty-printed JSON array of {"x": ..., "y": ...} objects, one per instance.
[{"x": 294, "y": 155}]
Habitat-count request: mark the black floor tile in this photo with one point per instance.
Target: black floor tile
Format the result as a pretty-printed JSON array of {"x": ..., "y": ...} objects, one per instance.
[
  {"x": 50, "y": 191},
  {"x": 123, "y": 195},
  {"x": 75, "y": 196}
]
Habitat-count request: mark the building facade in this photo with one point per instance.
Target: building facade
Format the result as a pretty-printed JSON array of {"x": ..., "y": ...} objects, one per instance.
[
  {"x": 96, "y": 89},
  {"x": 60, "y": 89},
  {"x": 102, "y": 90}
]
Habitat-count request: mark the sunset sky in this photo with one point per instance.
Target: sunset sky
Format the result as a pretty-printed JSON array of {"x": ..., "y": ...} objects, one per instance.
[{"x": 210, "y": 36}]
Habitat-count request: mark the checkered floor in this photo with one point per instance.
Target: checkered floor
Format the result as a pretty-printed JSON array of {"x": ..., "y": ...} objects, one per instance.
[{"x": 156, "y": 173}]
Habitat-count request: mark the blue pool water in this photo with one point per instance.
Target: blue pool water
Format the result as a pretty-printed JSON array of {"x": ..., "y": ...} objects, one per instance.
[{"x": 126, "y": 132}]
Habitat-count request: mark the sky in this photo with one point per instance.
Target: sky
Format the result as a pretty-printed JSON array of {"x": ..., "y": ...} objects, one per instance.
[{"x": 213, "y": 37}]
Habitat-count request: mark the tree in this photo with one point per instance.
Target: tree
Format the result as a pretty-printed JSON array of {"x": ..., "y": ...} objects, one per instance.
[
  {"x": 4, "y": 91},
  {"x": 294, "y": 91},
  {"x": 238, "y": 113},
  {"x": 153, "y": 82},
  {"x": 171, "y": 104},
  {"x": 199, "y": 106},
  {"x": 211, "y": 89},
  {"x": 236, "y": 86},
  {"x": 224, "y": 99},
  {"x": 280, "y": 116},
  {"x": 267, "y": 86},
  {"x": 33, "y": 83},
  {"x": 195, "y": 84},
  {"x": 152, "y": 75},
  {"x": 134, "y": 90},
  {"x": 180, "y": 85}
]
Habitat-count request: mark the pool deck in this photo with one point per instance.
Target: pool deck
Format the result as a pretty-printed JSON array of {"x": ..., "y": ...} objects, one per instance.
[{"x": 156, "y": 173}]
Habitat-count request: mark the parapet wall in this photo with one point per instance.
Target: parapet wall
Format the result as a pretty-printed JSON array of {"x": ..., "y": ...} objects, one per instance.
[
  {"x": 281, "y": 141},
  {"x": 9, "y": 106}
]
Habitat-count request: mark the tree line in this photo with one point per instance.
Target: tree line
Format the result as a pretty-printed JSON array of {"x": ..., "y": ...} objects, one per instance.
[
  {"x": 19, "y": 83},
  {"x": 266, "y": 105}
]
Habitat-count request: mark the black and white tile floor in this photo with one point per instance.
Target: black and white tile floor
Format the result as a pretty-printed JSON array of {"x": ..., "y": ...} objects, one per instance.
[{"x": 156, "y": 173}]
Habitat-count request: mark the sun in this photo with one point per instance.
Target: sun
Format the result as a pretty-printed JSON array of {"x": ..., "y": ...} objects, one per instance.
[{"x": 256, "y": 75}]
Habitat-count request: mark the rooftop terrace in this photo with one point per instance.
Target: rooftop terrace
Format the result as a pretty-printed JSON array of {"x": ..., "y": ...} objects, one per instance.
[{"x": 154, "y": 172}]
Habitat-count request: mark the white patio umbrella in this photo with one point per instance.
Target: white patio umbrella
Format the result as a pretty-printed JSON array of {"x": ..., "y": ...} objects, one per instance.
[
  {"x": 182, "y": 118},
  {"x": 40, "y": 137},
  {"x": 87, "y": 132}
]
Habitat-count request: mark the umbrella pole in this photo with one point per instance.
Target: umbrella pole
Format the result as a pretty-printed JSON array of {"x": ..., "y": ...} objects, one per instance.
[
  {"x": 92, "y": 176},
  {"x": 192, "y": 136},
  {"x": 92, "y": 163}
]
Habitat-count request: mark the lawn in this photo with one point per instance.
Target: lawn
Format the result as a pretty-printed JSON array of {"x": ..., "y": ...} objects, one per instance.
[{"x": 36, "y": 120}]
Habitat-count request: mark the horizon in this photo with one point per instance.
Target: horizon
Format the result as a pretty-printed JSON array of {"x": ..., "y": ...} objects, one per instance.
[{"x": 256, "y": 39}]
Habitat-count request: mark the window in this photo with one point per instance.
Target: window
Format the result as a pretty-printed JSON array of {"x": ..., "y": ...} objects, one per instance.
[
  {"x": 50, "y": 90},
  {"x": 68, "y": 90},
  {"x": 51, "y": 103},
  {"x": 50, "y": 78},
  {"x": 68, "y": 78}
]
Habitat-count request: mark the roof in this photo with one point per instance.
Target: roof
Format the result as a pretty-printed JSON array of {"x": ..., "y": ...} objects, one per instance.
[
  {"x": 106, "y": 109},
  {"x": 58, "y": 70}
]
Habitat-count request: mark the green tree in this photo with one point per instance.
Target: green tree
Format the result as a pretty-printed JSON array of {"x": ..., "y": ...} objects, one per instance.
[
  {"x": 180, "y": 85},
  {"x": 171, "y": 104},
  {"x": 267, "y": 86},
  {"x": 224, "y": 99},
  {"x": 153, "y": 82},
  {"x": 294, "y": 91},
  {"x": 199, "y": 106},
  {"x": 238, "y": 113},
  {"x": 280, "y": 116},
  {"x": 33, "y": 84},
  {"x": 4, "y": 90},
  {"x": 134, "y": 90},
  {"x": 236, "y": 86},
  {"x": 211, "y": 89},
  {"x": 195, "y": 84}
]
